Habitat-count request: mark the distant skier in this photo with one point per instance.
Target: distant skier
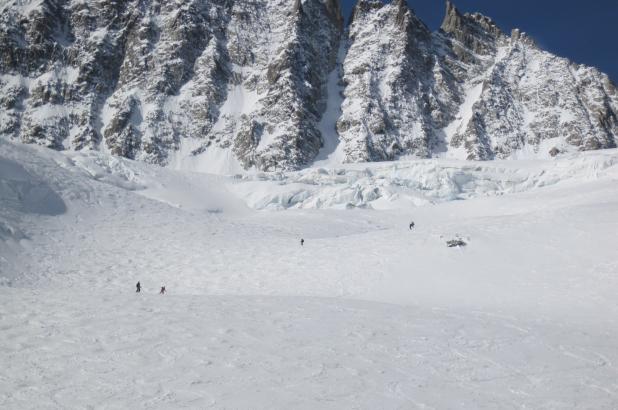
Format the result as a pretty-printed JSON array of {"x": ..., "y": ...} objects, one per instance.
[
  {"x": 162, "y": 291},
  {"x": 138, "y": 288},
  {"x": 411, "y": 225},
  {"x": 302, "y": 242}
]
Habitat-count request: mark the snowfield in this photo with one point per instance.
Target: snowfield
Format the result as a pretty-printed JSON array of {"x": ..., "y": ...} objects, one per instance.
[{"x": 367, "y": 314}]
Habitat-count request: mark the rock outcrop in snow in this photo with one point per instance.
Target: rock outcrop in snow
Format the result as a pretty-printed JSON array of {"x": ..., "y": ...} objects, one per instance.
[{"x": 245, "y": 84}]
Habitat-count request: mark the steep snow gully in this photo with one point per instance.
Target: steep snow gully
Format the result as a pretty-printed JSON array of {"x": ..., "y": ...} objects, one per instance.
[{"x": 367, "y": 314}]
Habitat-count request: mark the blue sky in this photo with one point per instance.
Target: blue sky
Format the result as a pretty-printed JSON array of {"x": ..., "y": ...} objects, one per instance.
[{"x": 583, "y": 31}]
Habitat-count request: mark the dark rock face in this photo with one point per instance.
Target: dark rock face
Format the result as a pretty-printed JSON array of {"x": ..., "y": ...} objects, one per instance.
[{"x": 164, "y": 82}]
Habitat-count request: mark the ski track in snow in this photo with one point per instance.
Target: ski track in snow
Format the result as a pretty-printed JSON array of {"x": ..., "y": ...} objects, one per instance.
[{"x": 366, "y": 315}]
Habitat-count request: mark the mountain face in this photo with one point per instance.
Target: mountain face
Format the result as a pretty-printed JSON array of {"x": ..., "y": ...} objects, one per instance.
[
  {"x": 139, "y": 78},
  {"x": 247, "y": 82}
]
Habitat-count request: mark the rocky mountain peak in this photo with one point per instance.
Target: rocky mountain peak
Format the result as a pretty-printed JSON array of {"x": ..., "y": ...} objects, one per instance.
[
  {"x": 362, "y": 7},
  {"x": 519, "y": 36},
  {"x": 220, "y": 85},
  {"x": 452, "y": 18},
  {"x": 407, "y": 19},
  {"x": 486, "y": 23},
  {"x": 475, "y": 32}
]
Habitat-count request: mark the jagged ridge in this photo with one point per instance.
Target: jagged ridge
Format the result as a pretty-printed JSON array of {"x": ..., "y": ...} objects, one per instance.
[{"x": 189, "y": 81}]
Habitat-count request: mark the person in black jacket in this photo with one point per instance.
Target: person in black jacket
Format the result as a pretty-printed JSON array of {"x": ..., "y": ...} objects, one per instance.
[
  {"x": 411, "y": 225},
  {"x": 138, "y": 288}
]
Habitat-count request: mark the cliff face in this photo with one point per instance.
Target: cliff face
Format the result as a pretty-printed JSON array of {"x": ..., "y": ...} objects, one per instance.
[
  {"x": 467, "y": 91},
  {"x": 188, "y": 81},
  {"x": 519, "y": 98},
  {"x": 385, "y": 76},
  {"x": 145, "y": 78}
]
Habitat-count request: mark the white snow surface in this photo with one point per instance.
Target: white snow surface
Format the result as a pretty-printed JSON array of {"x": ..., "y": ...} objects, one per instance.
[
  {"x": 332, "y": 152},
  {"x": 367, "y": 314}
]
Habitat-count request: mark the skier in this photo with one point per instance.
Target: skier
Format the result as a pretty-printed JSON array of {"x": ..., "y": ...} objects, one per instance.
[
  {"x": 411, "y": 225},
  {"x": 302, "y": 242},
  {"x": 162, "y": 291},
  {"x": 138, "y": 287}
]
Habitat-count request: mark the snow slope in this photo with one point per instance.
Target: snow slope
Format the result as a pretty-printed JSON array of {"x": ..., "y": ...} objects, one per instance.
[
  {"x": 332, "y": 151},
  {"x": 368, "y": 314}
]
